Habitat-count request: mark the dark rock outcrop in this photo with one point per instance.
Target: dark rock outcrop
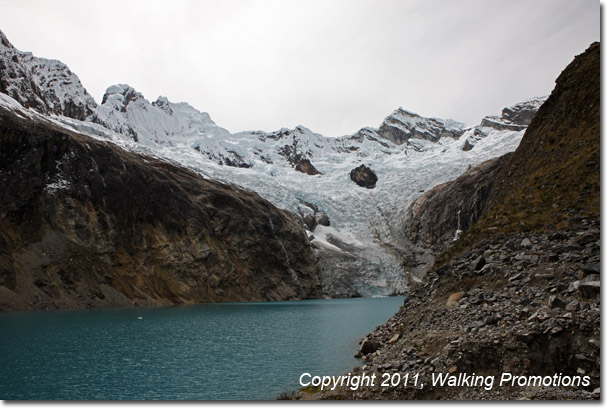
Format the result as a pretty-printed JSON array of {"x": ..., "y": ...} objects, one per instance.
[
  {"x": 313, "y": 216},
  {"x": 364, "y": 176},
  {"x": 403, "y": 125},
  {"x": 467, "y": 146},
  {"x": 516, "y": 117},
  {"x": 436, "y": 219},
  {"x": 322, "y": 218},
  {"x": 84, "y": 223},
  {"x": 305, "y": 166}
]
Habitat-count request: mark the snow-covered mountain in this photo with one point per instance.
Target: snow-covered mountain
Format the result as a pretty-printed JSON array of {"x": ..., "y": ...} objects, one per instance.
[{"x": 357, "y": 232}]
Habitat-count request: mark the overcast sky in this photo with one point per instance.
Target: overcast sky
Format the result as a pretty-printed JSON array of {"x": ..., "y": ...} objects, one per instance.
[{"x": 333, "y": 66}]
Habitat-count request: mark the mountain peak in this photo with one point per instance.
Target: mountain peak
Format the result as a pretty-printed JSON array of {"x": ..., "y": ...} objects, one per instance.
[
  {"x": 47, "y": 86},
  {"x": 4, "y": 40},
  {"x": 516, "y": 117},
  {"x": 118, "y": 96},
  {"x": 403, "y": 125}
]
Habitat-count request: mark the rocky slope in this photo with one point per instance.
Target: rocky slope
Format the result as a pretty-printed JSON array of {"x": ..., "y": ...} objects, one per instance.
[
  {"x": 85, "y": 223},
  {"x": 554, "y": 174},
  {"x": 519, "y": 291},
  {"x": 552, "y": 177},
  {"x": 531, "y": 309}
]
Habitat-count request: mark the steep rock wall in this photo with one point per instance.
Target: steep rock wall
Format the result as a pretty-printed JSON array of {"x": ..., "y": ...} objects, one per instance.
[{"x": 84, "y": 223}]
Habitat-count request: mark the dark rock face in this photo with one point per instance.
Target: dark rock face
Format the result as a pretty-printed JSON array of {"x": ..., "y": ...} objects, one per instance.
[
  {"x": 85, "y": 223},
  {"x": 322, "y": 218},
  {"x": 314, "y": 216},
  {"x": 364, "y": 176},
  {"x": 467, "y": 146},
  {"x": 305, "y": 166},
  {"x": 436, "y": 219},
  {"x": 310, "y": 222}
]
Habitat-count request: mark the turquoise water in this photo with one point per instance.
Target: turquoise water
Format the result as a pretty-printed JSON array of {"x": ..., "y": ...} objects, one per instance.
[{"x": 203, "y": 352}]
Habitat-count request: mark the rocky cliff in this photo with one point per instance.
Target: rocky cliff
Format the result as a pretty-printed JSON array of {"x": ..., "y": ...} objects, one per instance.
[
  {"x": 85, "y": 223},
  {"x": 438, "y": 218}
]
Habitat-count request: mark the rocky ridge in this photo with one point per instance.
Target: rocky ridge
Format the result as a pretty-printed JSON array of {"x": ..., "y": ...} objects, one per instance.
[
  {"x": 516, "y": 118},
  {"x": 47, "y": 86},
  {"x": 402, "y": 126}
]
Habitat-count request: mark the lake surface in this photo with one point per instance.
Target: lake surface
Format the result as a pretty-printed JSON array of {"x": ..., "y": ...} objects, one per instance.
[{"x": 203, "y": 352}]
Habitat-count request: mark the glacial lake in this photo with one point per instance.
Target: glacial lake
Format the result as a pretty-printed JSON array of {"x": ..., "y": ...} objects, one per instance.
[{"x": 228, "y": 351}]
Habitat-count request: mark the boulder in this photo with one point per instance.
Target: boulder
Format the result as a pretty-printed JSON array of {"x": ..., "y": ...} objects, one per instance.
[
  {"x": 368, "y": 346},
  {"x": 322, "y": 218},
  {"x": 555, "y": 302},
  {"x": 589, "y": 289},
  {"x": 453, "y": 298},
  {"x": 479, "y": 263},
  {"x": 467, "y": 146},
  {"x": 364, "y": 176}
]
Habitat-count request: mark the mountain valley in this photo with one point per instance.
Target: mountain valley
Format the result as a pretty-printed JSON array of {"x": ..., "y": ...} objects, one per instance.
[{"x": 361, "y": 246}]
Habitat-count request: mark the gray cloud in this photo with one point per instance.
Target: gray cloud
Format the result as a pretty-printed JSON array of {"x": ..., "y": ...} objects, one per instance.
[{"x": 333, "y": 65}]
